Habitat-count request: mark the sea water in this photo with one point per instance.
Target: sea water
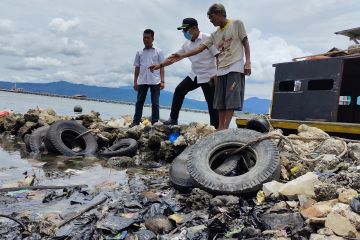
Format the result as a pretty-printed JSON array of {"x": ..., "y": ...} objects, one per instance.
[{"x": 19, "y": 102}]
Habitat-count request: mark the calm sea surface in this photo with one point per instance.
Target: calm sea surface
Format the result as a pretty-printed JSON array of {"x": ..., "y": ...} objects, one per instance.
[{"x": 21, "y": 103}]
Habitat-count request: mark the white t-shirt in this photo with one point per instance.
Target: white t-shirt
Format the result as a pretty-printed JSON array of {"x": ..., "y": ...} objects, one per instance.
[
  {"x": 143, "y": 59},
  {"x": 203, "y": 65}
]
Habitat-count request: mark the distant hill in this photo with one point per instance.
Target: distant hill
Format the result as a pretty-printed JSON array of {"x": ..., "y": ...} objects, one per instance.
[{"x": 126, "y": 94}]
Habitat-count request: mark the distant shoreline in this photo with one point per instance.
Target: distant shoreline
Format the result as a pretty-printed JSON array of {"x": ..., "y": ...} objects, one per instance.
[{"x": 98, "y": 100}]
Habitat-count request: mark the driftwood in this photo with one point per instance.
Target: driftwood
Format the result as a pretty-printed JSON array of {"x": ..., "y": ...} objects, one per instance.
[
  {"x": 82, "y": 212},
  {"x": 12, "y": 189}
]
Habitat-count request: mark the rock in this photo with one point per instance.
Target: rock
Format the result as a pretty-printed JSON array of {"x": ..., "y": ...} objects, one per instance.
[
  {"x": 326, "y": 163},
  {"x": 13, "y": 122},
  {"x": 149, "y": 197},
  {"x": 354, "y": 152},
  {"x": 198, "y": 199},
  {"x": 275, "y": 221},
  {"x": 159, "y": 224},
  {"x": 26, "y": 128},
  {"x": 340, "y": 225},
  {"x": 306, "y": 131},
  {"x": 122, "y": 162},
  {"x": 325, "y": 231},
  {"x": 349, "y": 179},
  {"x": 319, "y": 210},
  {"x": 32, "y": 116},
  {"x": 88, "y": 119},
  {"x": 325, "y": 191},
  {"x": 154, "y": 141},
  {"x": 278, "y": 207},
  {"x": 134, "y": 133},
  {"x": 196, "y": 131},
  {"x": 180, "y": 141},
  {"x": 115, "y": 123},
  {"x": 228, "y": 203},
  {"x": 331, "y": 146},
  {"x": 315, "y": 236},
  {"x": 355, "y": 204},
  {"x": 345, "y": 195},
  {"x": 345, "y": 211}
]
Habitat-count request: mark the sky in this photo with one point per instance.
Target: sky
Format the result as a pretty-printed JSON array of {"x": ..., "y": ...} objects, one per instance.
[{"x": 94, "y": 42}]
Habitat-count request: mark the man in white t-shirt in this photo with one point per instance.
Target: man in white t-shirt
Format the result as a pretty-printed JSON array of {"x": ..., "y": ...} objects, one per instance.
[
  {"x": 145, "y": 79},
  {"x": 203, "y": 68},
  {"x": 231, "y": 40}
]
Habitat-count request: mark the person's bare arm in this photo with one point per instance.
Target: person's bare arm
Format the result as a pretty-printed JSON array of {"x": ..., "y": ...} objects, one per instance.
[
  {"x": 247, "y": 66},
  {"x": 162, "y": 78},
  {"x": 136, "y": 76},
  {"x": 176, "y": 56}
]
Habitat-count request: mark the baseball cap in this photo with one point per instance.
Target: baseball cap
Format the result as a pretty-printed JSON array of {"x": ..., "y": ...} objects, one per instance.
[{"x": 187, "y": 23}]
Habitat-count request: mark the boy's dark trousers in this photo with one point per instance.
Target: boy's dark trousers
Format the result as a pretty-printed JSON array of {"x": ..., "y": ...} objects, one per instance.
[{"x": 141, "y": 96}]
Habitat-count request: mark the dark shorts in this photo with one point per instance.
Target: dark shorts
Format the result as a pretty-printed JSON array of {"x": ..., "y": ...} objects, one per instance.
[{"x": 229, "y": 91}]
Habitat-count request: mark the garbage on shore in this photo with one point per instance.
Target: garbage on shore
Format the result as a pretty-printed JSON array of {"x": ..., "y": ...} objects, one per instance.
[{"x": 315, "y": 197}]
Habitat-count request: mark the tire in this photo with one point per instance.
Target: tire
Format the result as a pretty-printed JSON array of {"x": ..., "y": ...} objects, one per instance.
[
  {"x": 178, "y": 173},
  {"x": 227, "y": 166},
  {"x": 180, "y": 177},
  {"x": 37, "y": 138},
  {"x": 124, "y": 147},
  {"x": 26, "y": 141},
  {"x": 264, "y": 169},
  {"x": 258, "y": 124},
  {"x": 63, "y": 136}
]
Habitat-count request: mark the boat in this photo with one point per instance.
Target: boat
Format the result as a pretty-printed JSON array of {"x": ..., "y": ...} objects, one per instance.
[{"x": 321, "y": 90}]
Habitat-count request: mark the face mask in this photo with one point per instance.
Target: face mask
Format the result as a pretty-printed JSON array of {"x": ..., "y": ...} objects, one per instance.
[{"x": 187, "y": 35}]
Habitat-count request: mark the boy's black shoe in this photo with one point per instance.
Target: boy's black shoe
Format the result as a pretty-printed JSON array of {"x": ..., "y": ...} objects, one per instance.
[{"x": 171, "y": 122}]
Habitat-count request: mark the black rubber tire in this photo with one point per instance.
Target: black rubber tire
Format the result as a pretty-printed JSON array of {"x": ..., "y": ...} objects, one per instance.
[
  {"x": 37, "y": 138},
  {"x": 63, "y": 133},
  {"x": 26, "y": 141},
  {"x": 264, "y": 170},
  {"x": 229, "y": 165},
  {"x": 180, "y": 177},
  {"x": 258, "y": 124},
  {"x": 124, "y": 147}
]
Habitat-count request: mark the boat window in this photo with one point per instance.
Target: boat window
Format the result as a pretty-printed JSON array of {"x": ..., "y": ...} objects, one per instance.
[
  {"x": 286, "y": 86},
  {"x": 321, "y": 84},
  {"x": 344, "y": 100},
  {"x": 358, "y": 100}
]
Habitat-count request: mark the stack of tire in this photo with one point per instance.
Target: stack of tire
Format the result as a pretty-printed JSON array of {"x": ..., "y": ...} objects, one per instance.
[
  {"x": 199, "y": 164},
  {"x": 70, "y": 138}
]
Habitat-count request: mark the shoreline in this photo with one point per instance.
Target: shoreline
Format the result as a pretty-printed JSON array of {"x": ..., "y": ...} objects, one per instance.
[{"x": 98, "y": 100}]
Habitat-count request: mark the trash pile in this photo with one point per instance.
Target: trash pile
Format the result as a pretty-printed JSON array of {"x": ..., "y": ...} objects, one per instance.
[{"x": 314, "y": 194}]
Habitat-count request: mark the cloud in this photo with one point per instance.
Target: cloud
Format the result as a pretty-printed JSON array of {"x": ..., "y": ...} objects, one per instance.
[
  {"x": 267, "y": 51},
  {"x": 37, "y": 63},
  {"x": 72, "y": 47},
  {"x": 89, "y": 42},
  {"x": 6, "y": 26},
  {"x": 59, "y": 25}
]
